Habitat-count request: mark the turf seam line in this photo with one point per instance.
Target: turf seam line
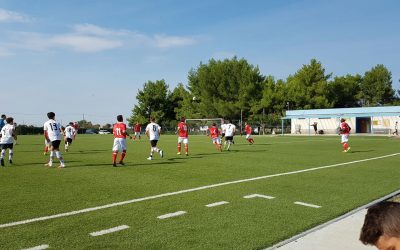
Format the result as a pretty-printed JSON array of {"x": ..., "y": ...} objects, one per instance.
[
  {"x": 296, "y": 237},
  {"x": 41, "y": 247},
  {"x": 91, "y": 209},
  {"x": 110, "y": 230},
  {"x": 219, "y": 203},
  {"x": 166, "y": 216},
  {"x": 306, "y": 204}
]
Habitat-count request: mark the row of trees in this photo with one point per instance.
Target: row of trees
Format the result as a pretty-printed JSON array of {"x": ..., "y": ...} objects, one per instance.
[{"x": 233, "y": 88}]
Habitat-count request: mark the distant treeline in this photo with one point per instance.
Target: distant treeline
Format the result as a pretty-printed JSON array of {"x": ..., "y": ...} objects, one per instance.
[{"x": 233, "y": 88}]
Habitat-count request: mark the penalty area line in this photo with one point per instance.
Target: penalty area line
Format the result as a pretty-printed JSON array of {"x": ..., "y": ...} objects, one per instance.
[{"x": 121, "y": 203}]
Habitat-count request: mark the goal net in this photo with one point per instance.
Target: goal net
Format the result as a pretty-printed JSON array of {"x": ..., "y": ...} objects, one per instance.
[{"x": 200, "y": 126}]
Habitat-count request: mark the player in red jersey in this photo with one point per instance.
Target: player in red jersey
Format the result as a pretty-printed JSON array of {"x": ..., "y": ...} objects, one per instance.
[
  {"x": 76, "y": 127},
  {"x": 214, "y": 133},
  {"x": 137, "y": 128},
  {"x": 120, "y": 133},
  {"x": 345, "y": 132},
  {"x": 248, "y": 130},
  {"x": 183, "y": 132}
]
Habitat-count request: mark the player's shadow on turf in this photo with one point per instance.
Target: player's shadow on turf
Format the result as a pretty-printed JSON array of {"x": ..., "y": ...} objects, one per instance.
[{"x": 360, "y": 151}]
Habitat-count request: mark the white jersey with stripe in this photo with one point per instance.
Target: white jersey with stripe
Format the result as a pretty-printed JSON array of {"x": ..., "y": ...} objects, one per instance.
[
  {"x": 69, "y": 132},
  {"x": 7, "y": 134},
  {"x": 153, "y": 130},
  {"x": 230, "y": 129},
  {"x": 53, "y": 130}
]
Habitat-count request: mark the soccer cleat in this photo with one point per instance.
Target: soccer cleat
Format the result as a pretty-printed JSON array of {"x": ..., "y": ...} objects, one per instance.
[
  {"x": 114, "y": 164},
  {"x": 2, "y": 162},
  {"x": 348, "y": 149},
  {"x": 122, "y": 163},
  {"x": 10, "y": 161},
  {"x": 161, "y": 153},
  {"x": 150, "y": 158},
  {"x": 186, "y": 154},
  {"x": 44, "y": 153},
  {"x": 49, "y": 164},
  {"x": 61, "y": 166},
  {"x": 178, "y": 153}
]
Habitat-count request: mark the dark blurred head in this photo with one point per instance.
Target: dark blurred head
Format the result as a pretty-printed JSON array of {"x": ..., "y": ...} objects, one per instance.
[
  {"x": 51, "y": 115},
  {"x": 120, "y": 118},
  {"x": 9, "y": 120}
]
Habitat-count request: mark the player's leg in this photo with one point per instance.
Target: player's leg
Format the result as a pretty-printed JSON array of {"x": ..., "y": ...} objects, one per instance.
[
  {"x": 10, "y": 153},
  {"x": 115, "y": 150},
  {"x": 46, "y": 147},
  {"x": 123, "y": 146},
  {"x": 56, "y": 149},
  {"x": 3, "y": 153},
  {"x": 179, "y": 145},
  {"x": 186, "y": 142},
  {"x": 229, "y": 140},
  {"x": 52, "y": 153},
  {"x": 153, "y": 146}
]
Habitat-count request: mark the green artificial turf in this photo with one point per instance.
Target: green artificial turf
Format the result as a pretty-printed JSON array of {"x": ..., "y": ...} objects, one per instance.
[{"x": 30, "y": 190}]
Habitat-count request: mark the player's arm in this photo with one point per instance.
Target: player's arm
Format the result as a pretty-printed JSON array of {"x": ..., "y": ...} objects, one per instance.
[{"x": 147, "y": 133}]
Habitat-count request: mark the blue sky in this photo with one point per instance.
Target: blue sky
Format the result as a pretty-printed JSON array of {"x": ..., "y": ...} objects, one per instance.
[{"x": 90, "y": 57}]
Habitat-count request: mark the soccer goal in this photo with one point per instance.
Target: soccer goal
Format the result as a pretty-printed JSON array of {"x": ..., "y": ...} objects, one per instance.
[{"x": 200, "y": 126}]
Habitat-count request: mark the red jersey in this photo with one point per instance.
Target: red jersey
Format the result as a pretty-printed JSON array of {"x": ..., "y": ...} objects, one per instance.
[
  {"x": 119, "y": 130},
  {"x": 345, "y": 128},
  {"x": 247, "y": 129},
  {"x": 214, "y": 131},
  {"x": 183, "y": 129},
  {"x": 137, "y": 127}
]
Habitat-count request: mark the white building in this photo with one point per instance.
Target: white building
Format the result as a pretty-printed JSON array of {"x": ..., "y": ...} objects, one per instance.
[{"x": 371, "y": 120}]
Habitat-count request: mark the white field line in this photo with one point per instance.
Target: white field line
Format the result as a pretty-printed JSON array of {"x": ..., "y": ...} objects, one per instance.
[
  {"x": 110, "y": 230},
  {"x": 306, "y": 204},
  {"x": 38, "y": 247},
  {"x": 166, "y": 216},
  {"x": 121, "y": 203},
  {"x": 217, "y": 204},
  {"x": 258, "y": 196}
]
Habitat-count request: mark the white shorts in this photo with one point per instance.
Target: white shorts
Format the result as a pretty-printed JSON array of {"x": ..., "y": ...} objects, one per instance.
[
  {"x": 119, "y": 144},
  {"x": 137, "y": 133},
  {"x": 345, "y": 138},
  {"x": 183, "y": 139},
  {"x": 216, "y": 140},
  {"x": 248, "y": 136}
]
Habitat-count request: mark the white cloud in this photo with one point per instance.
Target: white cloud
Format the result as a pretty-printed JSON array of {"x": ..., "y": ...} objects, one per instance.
[
  {"x": 5, "y": 52},
  {"x": 82, "y": 43},
  {"x": 11, "y": 16},
  {"x": 162, "y": 41},
  {"x": 89, "y": 38}
]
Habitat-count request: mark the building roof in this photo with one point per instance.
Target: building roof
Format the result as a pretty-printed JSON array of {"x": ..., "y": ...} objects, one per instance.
[{"x": 344, "y": 112}]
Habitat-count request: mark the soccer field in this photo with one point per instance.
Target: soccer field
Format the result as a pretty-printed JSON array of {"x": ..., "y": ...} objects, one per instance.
[{"x": 69, "y": 208}]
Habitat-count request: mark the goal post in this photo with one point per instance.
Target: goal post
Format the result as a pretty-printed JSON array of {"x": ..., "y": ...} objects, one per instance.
[{"x": 200, "y": 126}]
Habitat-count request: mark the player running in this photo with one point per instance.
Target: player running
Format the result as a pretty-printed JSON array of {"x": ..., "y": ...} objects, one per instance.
[
  {"x": 7, "y": 137},
  {"x": 120, "y": 133},
  {"x": 345, "y": 132},
  {"x": 69, "y": 135},
  {"x": 214, "y": 133},
  {"x": 248, "y": 130},
  {"x": 230, "y": 130},
  {"x": 183, "y": 133},
  {"x": 137, "y": 128},
  {"x": 153, "y": 132},
  {"x": 52, "y": 133}
]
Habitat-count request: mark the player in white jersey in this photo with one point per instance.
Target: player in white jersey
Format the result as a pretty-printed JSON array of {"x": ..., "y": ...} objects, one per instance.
[
  {"x": 230, "y": 130},
  {"x": 52, "y": 133},
  {"x": 153, "y": 132},
  {"x": 7, "y": 137},
  {"x": 69, "y": 135}
]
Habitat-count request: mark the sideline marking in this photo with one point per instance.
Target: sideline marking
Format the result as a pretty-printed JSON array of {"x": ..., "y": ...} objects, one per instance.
[
  {"x": 217, "y": 204},
  {"x": 166, "y": 216},
  {"x": 110, "y": 230},
  {"x": 121, "y": 203},
  {"x": 258, "y": 196},
  {"x": 37, "y": 247},
  {"x": 306, "y": 204}
]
